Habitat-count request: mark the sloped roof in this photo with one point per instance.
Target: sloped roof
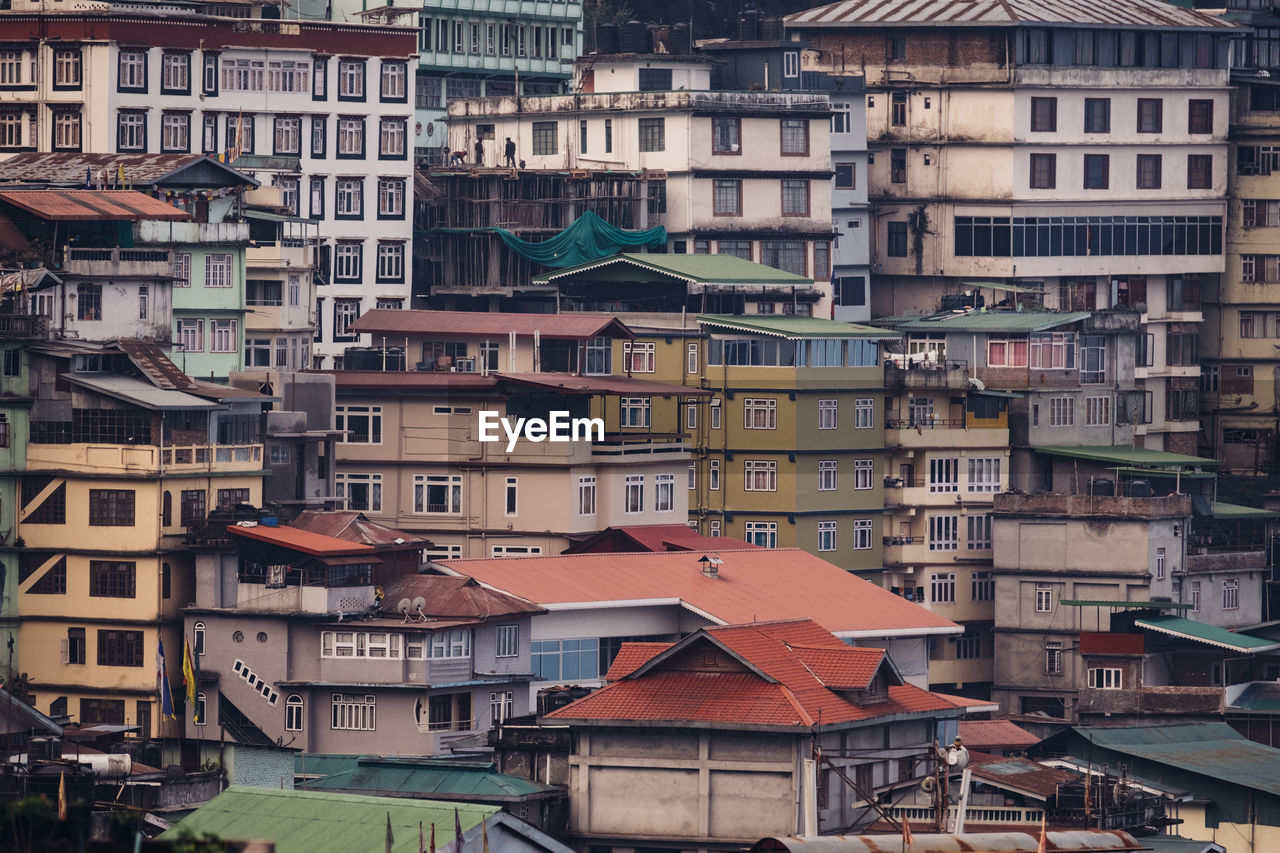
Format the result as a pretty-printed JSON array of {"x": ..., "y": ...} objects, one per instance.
[
  {"x": 694, "y": 269},
  {"x": 139, "y": 392},
  {"x": 572, "y": 383},
  {"x": 1210, "y": 635},
  {"x": 781, "y": 689},
  {"x": 303, "y": 541},
  {"x": 658, "y": 537},
  {"x": 355, "y": 527},
  {"x": 1141, "y": 457},
  {"x": 632, "y": 656},
  {"x": 793, "y": 327},
  {"x": 994, "y": 321},
  {"x": 752, "y": 584},
  {"x": 154, "y": 364},
  {"x": 453, "y": 598},
  {"x": 471, "y": 324},
  {"x": 428, "y": 779},
  {"x": 68, "y": 168},
  {"x": 1017, "y": 774},
  {"x": 995, "y": 734},
  {"x": 92, "y": 205},
  {"x": 1214, "y": 750},
  {"x": 320, "y": 822},
  {"x": 1130, "y": 14}
]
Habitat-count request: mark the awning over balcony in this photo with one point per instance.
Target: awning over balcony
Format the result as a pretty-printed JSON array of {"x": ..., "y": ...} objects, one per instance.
[
  {"x": 1210, "y": 635},
  {"x": 1132, "y": 457},
  {"x": 1236, "y": 512}
]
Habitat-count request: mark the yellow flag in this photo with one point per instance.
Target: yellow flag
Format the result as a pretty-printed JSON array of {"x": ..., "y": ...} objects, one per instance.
[
  {"x": 62, "y": 796},
  {"x": 188, "y": 675}
]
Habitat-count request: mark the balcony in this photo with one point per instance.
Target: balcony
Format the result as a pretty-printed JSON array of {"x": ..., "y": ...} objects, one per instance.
[
  {"x": 1152, "y": 700},
  {"x": 151, "y": 231},
  {"x": 951, "y": 376},
  {"x": 22, "y": 326},
  {"x": 1113, "y": 320},
  {"x": 145, "y": 459},
  {"x": 947, "y": 433},
  {"x": 1092, "y": 506},
  {"x": 1204, "y": 557},
  {"x": 119, "y": 263},
  {"x": 728, "y": 102},
  {"x": 304, "y": 599}
]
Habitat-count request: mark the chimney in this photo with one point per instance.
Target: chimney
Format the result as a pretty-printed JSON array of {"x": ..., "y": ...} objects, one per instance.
[{"x": 710, "y": 566}]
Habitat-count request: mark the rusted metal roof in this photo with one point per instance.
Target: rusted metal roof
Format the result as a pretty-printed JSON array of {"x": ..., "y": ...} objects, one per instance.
[
  {"x": 70, "y": 169},
  {"x": 1081, "y": 841},
  {"x": 1019, "y": 774},
  {"x": 156, "y": 366},
  {"x": 394, "y": 380},
  {"x": 303, "y": 541},
  {"x": 1005, "y": 13},
  {"x": 452, "y": 597},
  {"x": 567, "y": 383},
  {"x": 92, "y": 205},
  {"x": 471, "y": 324},
  {"x": 998, "y": 734},
  {"x": 355, "y": 527}
]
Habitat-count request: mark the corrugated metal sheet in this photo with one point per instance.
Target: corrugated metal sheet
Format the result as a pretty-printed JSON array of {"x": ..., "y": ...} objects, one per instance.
[
  {"x": 994, "y": 13},
  {"x": 303, "y": 541},
  {"x": 92, "y": 205},
  {"x": 453, "y": 598},
  {"x": 69, "y": 168},
  {"x": 794, "y": 327},
  {"x": 969, "y": 842},
  {"x": 574, "y": 327},
  {"x": 1020, "y": 775},
  {"x": 695, "y": 269},
  {"x": 981, "y": 734},
  {"x": 1199, "y": 632},
  {"x": 354, "y": 527},
  {"x": 424, "y": 779},
  {"x": 994, "y": 321},
  {"x": 139, "y": 392},
  {"x": 564, "y": 383},
  {"x": 156, "y": 366}
]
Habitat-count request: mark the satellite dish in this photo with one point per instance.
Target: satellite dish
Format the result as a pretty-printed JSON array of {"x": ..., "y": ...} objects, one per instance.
[
  {"x": 419, "y": 603},
  {"x": 928, "y": 784},
  {"x": 404, "y": 606}
]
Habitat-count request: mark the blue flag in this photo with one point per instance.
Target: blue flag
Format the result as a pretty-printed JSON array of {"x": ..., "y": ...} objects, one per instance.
[{"x": 162, "y": 684}]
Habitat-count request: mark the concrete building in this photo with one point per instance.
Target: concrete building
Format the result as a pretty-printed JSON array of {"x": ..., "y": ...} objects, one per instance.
[
  {"x": 997, "y": 145},
  {"x": 717, "y": 731},
  {"x": 320, "y": 110}
]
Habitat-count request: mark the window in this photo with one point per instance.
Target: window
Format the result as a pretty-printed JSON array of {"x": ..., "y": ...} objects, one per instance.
[
  {"x": 713, "y": 476},
  {"x": 507, "y": 641},
  {"x": 209, "y": 133},
  {"x": 846, "y": 176},
  {"x": 1199, "y": 171},
  {"x": 390, "y": 261},
  {"x": 1044, "y": 598},
  {"x": 968, "y": 646},
  {"x": 288, "y": 76},
  {"x": 795, "y": 197},
  {"x": 394, "y": 76},
  {"x": 657, "y": 196},
  {"x": 12, "y": 363},
  {"x": 193, "y": 506},
  {"x": 664, "y": 492},
  {"x": 229, "y": 499},
  {"x": 652, "y": 134},
  {"x": 634, "y": 494},
  {"x": 363, "y": 492},
  {"x": 66, "y": 130},
  {"x": 827, "y": 414},
  {"x": 1044, "y": 115},
  {"x": 502, "y": 702},
  {"x": 175, "y": 73},
  {"x": 1097, "y": 411},
  {"x": 391, "y": 138},
  {"x": 1105, "y": 678},
  {"x": 1053, "y": 658},
  {"x": 556, "y": 660},
  {"x": 979, "y": 530},
  {"x": 11, "y": 62},
  {"x": 760, "y": 413},
  {"x": 984, "y": 474},
  {"x": 826, "y": 535},
  {"x": 586, "y": 496},
  {"x": 1053, "y": 351},
  {"x": 217, "y": 270},
  {"x": 240, "y": 133},
  {"x": 1093, "y": 360},
  {"x": 287, "y": 135},
  {"x": 1097, "y": 115},
  {"x": 350, "y": 137},
  {"x": 638, "y": 357},
  {"x": 112, "y": 579},
  {"x": 66, "y": 68},
  {"x": 827, "y": 473},
  {"x": 1231, "y": 595},
  {"x": 790, "y": 64},
  {"x": 1194, "y": 597},
  {"x": 319, "y": 138},
  {"x": 437, "y": 493},
  {"x": 1062, "y": 411},
  {"x": 944, "y": 475},
  {"x": 691, "y": 358},
  {"x": 761, "y": 475},
  {"x": 132, "y": 71},
  {"x": 944, "y": 532},
  {"x": 89, "y": 302},
  {"x": 862, "y": 532},
  {"x": 942, "y": 588},
  {"x": 120, "y": 648},
  {"x": 795, "y": 137},
  {"x": 131, "y": 131},
  {"x": 353, "y": 712},
  {"x": 726, "y": 197},
  {"x": 691, "y": 416},
  {"x": 225, "y": 336},
  {"x": 1150, "y": 115},
  {"x": 293, "y": 713},
  {"x": 726, "y": 135},
  {"x": 1148, "y": 174},
  {"x": 863, "y": 474},
  {"x": 288, "y": 192},
  {"x": 983, "y": 586},
  {"x": 898, "y": 165},
  {"x": 635, "y": 412},
  {"x": 1160, "y": 564},
  {"x": 361, "y": 424},
  {"x": 864, "y": 413},
  {"x": 348, "y": 261},
  {"x": 544, "y": 138},
  {"x": 1097, "y": 171},
  {"x": 898, "y": 109},
  {"x": 897, "y": 243},
  {"x": 351, "y": 79},
  {"x": 76, "y": 651},
  {"x": 348, "y": 199},
  {"x": 1044, "y": 171},
  {"x": 762, "y": 533},
  {"x": 1199, "y": 116},
  {"x": 111, "y": 507}
]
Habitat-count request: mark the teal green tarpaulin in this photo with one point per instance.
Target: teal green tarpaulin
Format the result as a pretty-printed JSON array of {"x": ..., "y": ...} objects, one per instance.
[{"x": 588, "y": 239}]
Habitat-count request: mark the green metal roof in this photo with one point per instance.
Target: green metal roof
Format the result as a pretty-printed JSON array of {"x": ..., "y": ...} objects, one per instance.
[
  {"x": 1259, "y": 697},
  {"x": 994, "y": 321},
  {"x": 319, "y": 822},
  {"x": 785, "y": 326},
  {"x": 1134, "y": 457},
  {"x": 1000, "y": 285},
  {"x": 425, "y": 778},
  {"x": 1126, "y": 605},
  {"x": 696, "y": 269},
  {"x": 1211, "y": 635},
  {"x": 1236, "y": 512},
  {"x": 1214, "y": 750}
]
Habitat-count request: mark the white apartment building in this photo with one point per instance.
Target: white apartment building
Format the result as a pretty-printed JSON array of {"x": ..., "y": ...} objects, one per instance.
[
  {"x": 320, "y": 110},
  {"x": 1084, "y": 160},
  {"x": 741, "y": 173}
]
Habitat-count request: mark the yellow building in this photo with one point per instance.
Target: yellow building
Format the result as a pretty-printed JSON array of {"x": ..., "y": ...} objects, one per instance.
[{"x": 126, "y": 456}]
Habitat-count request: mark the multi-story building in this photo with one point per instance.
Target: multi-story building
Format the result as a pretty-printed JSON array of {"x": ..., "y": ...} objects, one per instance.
[
  {"x": 1086, "y": 159},
  {"x": 413, "y": 455},
  {"x": 126, "y": 454},
  {"x": 469, "y": 51},
  {"x": 738, "y": 173},
  {"x": 320, "y": 110}
]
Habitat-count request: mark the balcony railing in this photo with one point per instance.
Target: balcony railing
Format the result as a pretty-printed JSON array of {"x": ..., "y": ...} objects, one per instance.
[
  {"x": 22, "y": 326},
  {"x": 925, "y": 423},
  {"x": 119, "y": 262},
  {"x": 452, "y": 726}
]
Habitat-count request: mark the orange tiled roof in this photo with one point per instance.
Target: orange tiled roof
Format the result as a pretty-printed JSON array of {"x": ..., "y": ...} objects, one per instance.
[
  {"x": 779, "y": 688},
  {"x": 753, "y": 584},
  {"x": 987, "y": 734},
  {"x": 632, "y": 656}
]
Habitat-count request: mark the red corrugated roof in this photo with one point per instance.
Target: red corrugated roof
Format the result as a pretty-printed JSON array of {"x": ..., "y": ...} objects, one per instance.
[
  {"x": 653, "y": 537},
  {"x": 353, "y": 526},
  {"x": 453, "y": 597},
  {"x": 752, "y": 584},
  {"x": 85, "y": 205},
  {"x": 780, "y": 690},
  {"x": 995, "y": 734},
  {"x": 305, "y": 541},
  {"x": 471, "y": 324}
]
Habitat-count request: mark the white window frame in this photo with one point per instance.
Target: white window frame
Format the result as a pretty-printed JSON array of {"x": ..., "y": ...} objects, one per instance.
[
  {"x": 944, "y": 532},
  {"x": 942, "y": 588},
  {"x": 828, "y": 475},
  {"x": 639, "y": 356},
  {"x": 633, "y": 494},
  {"x": 863, "y": 531},
  {"x": 759, "y": 413},
  {"x": 978, "y": 530},
  {"x": 827, "y": 414},
  {"x": 717, "y": 410},
  {"x": 191, "y": 334},
  {"x": 1097, "y": 411},
  {"x": 1044, "y": 598},
  {"x": 586, "y": 496},
  {"x": 1231, "y": 594},
  {"x": 452, "y": 484},
  {"x": 224, "y": 336},
  {"x": 664, "y": 492},
  {"x": 827, "y": 535},
  {"x": 691, "y": 358},
  {"x": 984, "y": 474},
  {"x": 758, "y": 532},
  {"x": 345, "y": 479},
  {"x": 373, "y": 413},
  {"x": 1062, "y": 411},
  {"x": 713, "y": 475},
  {"x": 864, "y": 413},
  {"x": 1053, "y": 658},
  {"x": 353, "y": 712},
  {"x": 1161, "y": 560},
  {"x": 217, "y": 270},
  {"x": 506, "y": 641},
  {"x": 760, "y": 475},
  {"x": 449, "y": 645},
  {"x": 1106, "y": 678},
  {"x": 944, "y": 474},
  {"x": 635, "y": 412},
  {"x": 864, "y": 472}
]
